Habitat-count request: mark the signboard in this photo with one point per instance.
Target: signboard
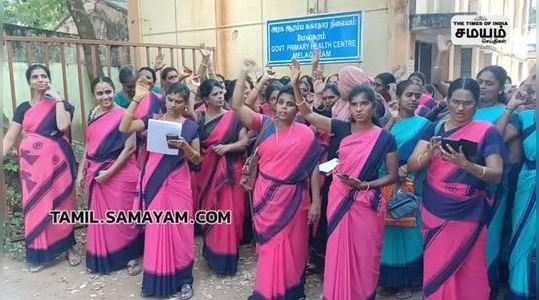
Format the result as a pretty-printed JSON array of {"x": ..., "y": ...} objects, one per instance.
[
  {"x": 338, "y": 36},
  {"x": 472, "y": 30}
]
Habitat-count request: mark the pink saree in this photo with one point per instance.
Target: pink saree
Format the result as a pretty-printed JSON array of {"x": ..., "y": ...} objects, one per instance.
[
  {"x": 426, "y": 104},
  {"x": 281, "y": 204},
  {"x": 356, "y": 219},
  {"x": 165, "y": 184},
  {"x": 47, "y": 172},
  {"x": 110, "y": 247},
  {"x": 218, "y": 188},
  {"x": 455, "y": 212}
]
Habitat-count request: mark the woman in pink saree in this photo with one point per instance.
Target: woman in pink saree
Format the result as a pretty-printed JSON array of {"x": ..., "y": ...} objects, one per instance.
[
  {"x": 47, "y": 169},
  {"x": 151, "y": 106},
  {"x": 289, "y": 154},
  {"x": 349, "y": 77},
  {"x": 355, "y": 210},
  {"x": 457, "y": 205},
  {"x": 109, "y": 173},
  {"x": 165, "y": 185},
  {"x": 222, "y": 141}
]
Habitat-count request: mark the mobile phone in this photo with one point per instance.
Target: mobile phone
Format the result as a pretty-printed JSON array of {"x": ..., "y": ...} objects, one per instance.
[{"x": 469, "y": 148}]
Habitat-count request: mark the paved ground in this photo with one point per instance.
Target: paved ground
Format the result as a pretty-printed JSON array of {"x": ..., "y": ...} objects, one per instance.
[{"x": 61, "y": 281}]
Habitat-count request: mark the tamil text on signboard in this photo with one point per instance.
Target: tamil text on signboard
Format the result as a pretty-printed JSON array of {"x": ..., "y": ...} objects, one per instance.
[{"x": 338, "y": 36}]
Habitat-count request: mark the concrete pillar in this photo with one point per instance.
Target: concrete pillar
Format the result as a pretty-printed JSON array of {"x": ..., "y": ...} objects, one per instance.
[
  {"x": 134, "y": 25},
  {"x": 399, "y": 34}
]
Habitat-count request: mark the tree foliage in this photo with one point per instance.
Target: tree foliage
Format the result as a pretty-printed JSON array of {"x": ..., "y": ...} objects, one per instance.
[{"x": 41, "y": 14}]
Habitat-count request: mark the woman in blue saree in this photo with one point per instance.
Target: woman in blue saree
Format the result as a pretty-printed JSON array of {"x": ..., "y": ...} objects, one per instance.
[
  {"x": 402, "y": 254},
  {"x": 523, "y": 244}
]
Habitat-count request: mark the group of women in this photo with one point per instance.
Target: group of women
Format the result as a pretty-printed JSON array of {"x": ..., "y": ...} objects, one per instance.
[{"x": 474, "y": 225}]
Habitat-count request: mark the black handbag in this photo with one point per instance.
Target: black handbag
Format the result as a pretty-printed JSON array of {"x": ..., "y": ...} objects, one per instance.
[{"x": 403, "y": 204}]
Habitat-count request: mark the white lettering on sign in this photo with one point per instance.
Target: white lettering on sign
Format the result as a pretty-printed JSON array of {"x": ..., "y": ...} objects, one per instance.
[{"x": 311, "y": 37}]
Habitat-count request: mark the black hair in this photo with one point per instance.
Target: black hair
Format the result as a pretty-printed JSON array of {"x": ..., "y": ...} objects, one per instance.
[
  {"x": 333, "y": 88},
  {"x": 207, "y": 86},
  {"x": 308, "y": 80},
  {"x": 285, "y": 80},
  {"x": 420, "y": 75},
  {"x": 33, "y": 67},
  {"x": 99, "y": 80},
  {"x": 229, "y": 85},
  {"x": 386, "y": 79},
  {"x": 164, "y": 73},
  {"x": 370, "y": 94},
  {"x": 430, "y": 88},
  {"x": 272, "y": 87},
  {"x": 509, "y": 78},
  {"x": 402, "y": 86},
  {"x": 152, "y": 71},
  {"x": 363, "y": 89},
  {"x": 500, "y": 74},
  {"x": 466, "y": 84},
  {"x": 287, "y": 89},
  {"x": 179, "y": 88},
  {"x": 220, "y": 76},
  {"x": 127, "y": 73}
]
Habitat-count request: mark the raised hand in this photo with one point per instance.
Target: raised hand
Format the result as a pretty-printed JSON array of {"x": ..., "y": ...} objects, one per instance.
[
  {"x": 52, "y": 93},
  {"x": 159, "y": 62},
  {"x": 248, "y": 66},
  {"x": 517, "y": 100},
  {"x": 318, "y": 86},
  {"x": 142, "y": 87},
  {"x": 186, "y": 72},
  {"x": 295, "y": 71},
  {"x": 315, "y": 60},
  {"x": 204, "y": 52}
]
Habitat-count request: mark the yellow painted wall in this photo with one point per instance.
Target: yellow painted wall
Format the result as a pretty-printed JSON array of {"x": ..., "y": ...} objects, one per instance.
[{"x": 237, "y": 27}]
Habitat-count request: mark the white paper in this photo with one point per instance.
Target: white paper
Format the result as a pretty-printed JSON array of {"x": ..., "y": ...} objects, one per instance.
[
  {"x": 328, "y": 166},
  {"x": 157, "y": 136}
]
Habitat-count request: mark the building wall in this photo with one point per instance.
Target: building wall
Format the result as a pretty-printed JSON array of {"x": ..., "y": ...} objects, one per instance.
[
  {"x": 512, "y": 55},
  {"x": 237, "y": 27}
]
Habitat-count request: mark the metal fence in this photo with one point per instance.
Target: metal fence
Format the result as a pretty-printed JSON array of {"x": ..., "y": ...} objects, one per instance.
[{"x": 96, "y": 56}]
